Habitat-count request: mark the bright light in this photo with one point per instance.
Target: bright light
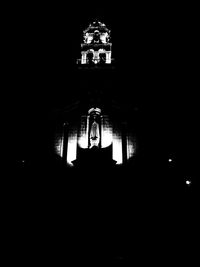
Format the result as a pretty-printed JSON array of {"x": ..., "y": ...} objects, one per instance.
[
  {"x": 117, "y": 148},
  {"x": 72, "y": 147},
  {"x": 83, "y": 141},
  {"x": 106, "y": 132},
  {"x": 170, "y": 160},
  {"x": 188, "y": 182}
]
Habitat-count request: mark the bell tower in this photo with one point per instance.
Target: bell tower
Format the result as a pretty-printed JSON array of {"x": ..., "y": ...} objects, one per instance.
[{"x": 96, "y": 47}]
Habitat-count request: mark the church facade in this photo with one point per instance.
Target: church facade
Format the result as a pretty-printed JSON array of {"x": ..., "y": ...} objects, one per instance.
[{"x": 95, "y": 130}]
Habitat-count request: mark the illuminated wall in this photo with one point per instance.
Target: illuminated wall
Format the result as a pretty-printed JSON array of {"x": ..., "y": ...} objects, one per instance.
[
  {"x": 117, "y": 146},
  {"x": 78, "y": 136},
  {"x": 83, "y": 132},
  {"x": 106, "y": 131},
  {"x": 71, "y": 146},
  {"x": 130, "y": 145}
]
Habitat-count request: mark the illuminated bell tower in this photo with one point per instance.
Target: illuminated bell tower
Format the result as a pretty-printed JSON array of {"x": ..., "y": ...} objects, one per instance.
[{"x": 96, "y": 47}]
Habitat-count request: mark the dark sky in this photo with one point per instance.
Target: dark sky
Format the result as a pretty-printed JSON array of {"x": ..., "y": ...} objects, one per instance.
[{"x": 155, "y": 47}]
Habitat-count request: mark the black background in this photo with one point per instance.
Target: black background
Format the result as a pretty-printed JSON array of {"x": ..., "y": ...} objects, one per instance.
[{"x": 155, "y": 50}]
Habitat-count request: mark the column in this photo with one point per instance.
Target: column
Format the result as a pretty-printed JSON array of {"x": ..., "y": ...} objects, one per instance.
[
  {"x": 108, "y": 57},
  {"x": 83, "y": 57}
]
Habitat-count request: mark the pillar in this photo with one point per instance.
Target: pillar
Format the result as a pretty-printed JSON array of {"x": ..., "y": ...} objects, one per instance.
[{"x": 83, "y": 57}]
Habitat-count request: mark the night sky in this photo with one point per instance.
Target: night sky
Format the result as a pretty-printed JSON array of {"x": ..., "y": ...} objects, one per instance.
[{"x": 155, "y": 51}]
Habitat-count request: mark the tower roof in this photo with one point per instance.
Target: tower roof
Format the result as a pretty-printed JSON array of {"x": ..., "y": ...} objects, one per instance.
[{"x": 96, "y": 25}]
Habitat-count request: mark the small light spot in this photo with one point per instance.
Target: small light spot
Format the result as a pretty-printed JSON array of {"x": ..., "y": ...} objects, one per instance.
[
  {"x": 188, "y": 182},
  {"x": 170, "y": 160}
]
